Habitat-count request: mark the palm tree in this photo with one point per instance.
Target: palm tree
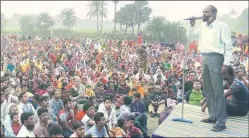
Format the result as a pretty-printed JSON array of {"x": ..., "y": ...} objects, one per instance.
[
  {"x": 155, "y": 27},
  {"x": 96, "y": 11},
  {"x": 115, "y": 13},
  {"x": 44, "y": 21},
  {"x": 68, "y": 17}
]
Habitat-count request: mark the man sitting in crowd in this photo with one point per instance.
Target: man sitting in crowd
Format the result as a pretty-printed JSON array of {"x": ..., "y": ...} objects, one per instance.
[
  {"x": 66, "y": 116},
  {"x": 27, "y": 125},
  {"x": 41, "y": 127},
  {"x": 237, "y": 94},
  {"x": 88, "y": 119},
  {"x": 195, "y": 95},
  {"x": 99, "y": 129}
]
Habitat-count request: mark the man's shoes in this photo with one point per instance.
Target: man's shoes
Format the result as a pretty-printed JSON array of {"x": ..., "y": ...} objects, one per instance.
[
  {"x": 208, "y": 120},
  {"x": 218, "y": 129}
]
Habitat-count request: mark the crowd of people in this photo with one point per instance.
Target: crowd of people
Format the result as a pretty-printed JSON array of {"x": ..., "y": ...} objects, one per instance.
[{"x": 59, "y": 87}]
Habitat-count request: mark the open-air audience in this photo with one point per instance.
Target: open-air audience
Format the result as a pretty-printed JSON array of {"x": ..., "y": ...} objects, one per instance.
[{"x": 63, "y": 87}]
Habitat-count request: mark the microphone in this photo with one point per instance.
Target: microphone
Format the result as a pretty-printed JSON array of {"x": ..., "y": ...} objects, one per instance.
[{"x": 193, "y": 18}]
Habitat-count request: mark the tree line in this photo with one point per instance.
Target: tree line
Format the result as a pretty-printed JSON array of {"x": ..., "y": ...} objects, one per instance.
[{"x": 130, "y": 16}]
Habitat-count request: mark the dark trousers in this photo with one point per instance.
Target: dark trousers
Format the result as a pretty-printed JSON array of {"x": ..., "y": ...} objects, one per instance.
[
  {"x": 140, "y": 125},
  {"x": 234, "y": 110},
  {"x": 213, "y": 87}
]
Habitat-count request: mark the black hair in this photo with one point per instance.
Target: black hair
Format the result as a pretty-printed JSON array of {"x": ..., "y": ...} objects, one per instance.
[
  {"x": 107, "y": 98},
  {"x": 76, "y": 125},
  {"x": 66, "y": 100},
  {"x": 87, "y": 106},
  {"x": 121, "y": 122},
  {"x": 42, "y": 110},
  {"x": 36, "y": 97},
  {"x": 21, "y": 95},
  {"x": 54, "y": 129},
  {"x": 43, "y": 98},
  {"x": 127, "y": 100},
  {"x": 25, "y": 116},
  {"x": 138, "y": 95},
  {"x": 12, "y": 115},
  {"x": 230, "y": 70},
  {"x": 97, "y": 116}
]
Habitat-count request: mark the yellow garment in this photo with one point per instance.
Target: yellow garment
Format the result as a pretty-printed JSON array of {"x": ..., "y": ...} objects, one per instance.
[
  {"x": 39, "y": 66},
  {"x": 90, "y": 92},
  {"x": 25, "y": 65},
  {"x": 236, "y": 49}
]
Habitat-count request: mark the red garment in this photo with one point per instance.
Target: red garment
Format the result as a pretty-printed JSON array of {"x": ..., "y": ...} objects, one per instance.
[
  {"x": 133, "y": 130},
  {"x": 53, "y": 58},
  {"x": 15, "y": 127},
  {"x": 192, "y": 47}
]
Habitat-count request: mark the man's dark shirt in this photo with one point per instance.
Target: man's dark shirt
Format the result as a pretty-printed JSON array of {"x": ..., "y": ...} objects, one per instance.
[
  {"x": 188, "y": 86},
  {"x": 239, "y": 95},
  {"x": 138, "y": 107}
]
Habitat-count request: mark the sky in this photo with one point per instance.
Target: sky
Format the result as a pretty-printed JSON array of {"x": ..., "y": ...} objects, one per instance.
[{"x": 172, "y": 10}]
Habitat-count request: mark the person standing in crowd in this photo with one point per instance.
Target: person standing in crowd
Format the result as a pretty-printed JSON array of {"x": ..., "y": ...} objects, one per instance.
[{"x": 215, "y": 45}]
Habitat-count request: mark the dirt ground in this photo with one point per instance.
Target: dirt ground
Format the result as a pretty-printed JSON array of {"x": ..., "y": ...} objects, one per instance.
[{"x": 152, "y": 124}]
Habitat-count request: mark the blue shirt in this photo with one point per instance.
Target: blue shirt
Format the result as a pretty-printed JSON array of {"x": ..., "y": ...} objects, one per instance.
[
  {"x": 239, "y": 93},
  {"x": 96, "y": 133},
  {"x": 56, "y": 106},
  {"x": 138, "y": 107}
]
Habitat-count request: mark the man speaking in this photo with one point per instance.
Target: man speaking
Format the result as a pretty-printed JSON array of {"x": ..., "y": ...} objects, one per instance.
[{"x": 215, "y": 45}]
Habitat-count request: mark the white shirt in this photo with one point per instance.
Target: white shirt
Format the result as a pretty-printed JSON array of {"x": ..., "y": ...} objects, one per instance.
[
  {"x": 112, "y": 116},
  {"x": 214, "y": 38},
  {"x": 85, "y": 120},
  {"x": 24, "y": 132},
  {"x": 22, "y": 107}
]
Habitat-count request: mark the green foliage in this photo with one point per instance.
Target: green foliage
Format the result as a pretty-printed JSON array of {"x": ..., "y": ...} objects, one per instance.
[
  {"x": 155, "y": 27},
  {"x": 133, "y": 14},
  {"x": 3, "y": 21},
  {"x": 27, "y": 24},
  {"x": 115, "y": 13},
  {"x": 142, "y": 13},
  {"x": 96, "y": 11},
  {"x": 68, "y": 18},
  {"x": 44, "y": 21},
  {"x": 162, "y": 30},
  {"x": 238, "y": 24}
]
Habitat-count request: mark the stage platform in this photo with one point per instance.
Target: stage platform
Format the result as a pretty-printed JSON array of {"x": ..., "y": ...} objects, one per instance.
[{"x": 236, "y": 126}]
